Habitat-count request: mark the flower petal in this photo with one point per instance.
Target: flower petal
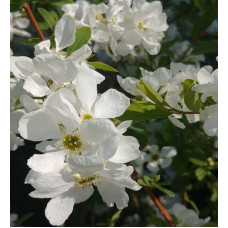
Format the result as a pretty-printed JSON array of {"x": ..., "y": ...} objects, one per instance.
[
  {"x": 111, "y": 104},
  {"x": 65, "y": 32},
  {"x": 38, "y": 126},
  {"x": 168, "y": 151}
]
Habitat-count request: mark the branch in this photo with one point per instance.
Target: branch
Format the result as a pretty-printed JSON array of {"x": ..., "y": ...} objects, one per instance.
[
  {"x": 33, "y": 20},
  {"x": 161, "y": 209}
]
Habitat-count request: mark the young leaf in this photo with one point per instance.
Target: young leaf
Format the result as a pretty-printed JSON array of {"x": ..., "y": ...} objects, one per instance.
[
  {"x": 164, "y": 190},
  {"x": 204, "y": 47},
  {"x": 150, "y": 93},
  {"x": 200, "y": 173},
  {"x": 142, "y": 182},
  {"x": 16, "y": 5},
  {"x": 48, "y": 17},
  {"x": 147, "y": 180},
  {"x": 191, "y": 98},
  {"x": 82, "y": 36},
  {"x": 115, "y": 218},
  {"x": 102, "y": 66},
  {"x": 142, "y": 112},
  {"x": 157, "y": 178},
  {"x": 31, "y": 41}
]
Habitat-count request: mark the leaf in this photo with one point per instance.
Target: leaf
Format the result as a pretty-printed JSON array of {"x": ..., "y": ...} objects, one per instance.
[
  {"x": 199, "y": 4},
  {"x": 23, "y": 219},
  {"x": 102, "y": 66},
  {"x": 203, "y": 22},
  {"x": 200, "y": 173},
  {"x": 192, "y": 203},
  {"x": 48, "y": 17},
  {"x": 204, "y": 47},
  {"x": 157, "y": 178},
  {"x": 115, "y": 218},
  {"x": 91, "y": 56},
  {"x": 31, "y": 41},
  {"x": 139, "y": 126},
  {"x": 147, "y": 180},
  {"x": 142, "y": 182},
  {"x": 191, "y": 98},
  {"x": 60, "y": 2},
  {"x": 82, "y": 36},
  {"x": 52, "y": 40},
  {"x": 142, "y": 112},
  {"x": 164, "y": 190},
  {"x": 16, "y": 5}
]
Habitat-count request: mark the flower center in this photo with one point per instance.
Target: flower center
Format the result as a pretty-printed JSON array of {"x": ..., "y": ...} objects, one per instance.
[
  {"x": 72, "y": 142},
  {"x": 155, "y": 157},
  {"x": 83, "y": 182},
  {"x": 86, "y": 117},
  {"x": 140, "y": 25}
]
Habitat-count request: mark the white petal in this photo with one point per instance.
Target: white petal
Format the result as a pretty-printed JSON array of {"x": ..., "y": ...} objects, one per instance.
[
  {"x": 45, "y": 163},
  {"x": 48, "y": 146},
  {"x": 38, "y": 126},
  {"x": 29, "y": 103},
  {"x": 165, "y": 162},
  {"x": 59, "y": 209},
  {"x": 152, "y": 166},
  {"x": 132, "y": 37},
  {"x": 86, "y": 165},
  {"x": 65, "y": 32},
  {"x": 151, "y": 47},
  {"x": 111, "y": 104},
  {"x": 21, "y": 66},
  {"x": 53, "y": 67},
  {"x": 43, "y": 45},
  {"x": 15, "y": 116},
  {"x": 129, "y": 85},
  {"x": 127, "y": 150},
  {"x": 123, "y": 126},
  {"x": 86, "y": 88},
  {"x": 81, "y": 54},
  {"x": 109, "y": 146},
  {"x": 168, "y": 151},
  {"x": 176, "y": 122},
  {"x": 62, "y": 110},
  {"x": 96, "y": 130},
  {"x": 49, "y": 185},
  {"x": 124, "y": 49},
  {"x": 211, "y": 125},
  {"x": 35, "y": 85},
  {"x": 112, "y": 192}
]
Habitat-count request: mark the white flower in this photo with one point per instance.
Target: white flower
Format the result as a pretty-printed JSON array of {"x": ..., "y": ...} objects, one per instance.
[
  {"x": 17, "y": 25},
  {"x": 187, "y": 217},
  {"x": 156, "y": 158},
  {"x": 59, "y": 120},
  {"x": 71, "y": 183}
]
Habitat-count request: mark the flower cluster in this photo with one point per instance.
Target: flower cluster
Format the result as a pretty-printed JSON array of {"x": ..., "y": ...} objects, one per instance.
[
  {"x": 170, "y": 83},
  {"x": 82, "y": 147},
  {"x": 120, "y": 26}
]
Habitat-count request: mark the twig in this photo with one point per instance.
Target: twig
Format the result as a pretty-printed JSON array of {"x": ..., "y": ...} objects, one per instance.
[
  {"x": 184, "y": 55},
  {"x": 162, "y": 210},
  {"x": 33, "y": 20}
]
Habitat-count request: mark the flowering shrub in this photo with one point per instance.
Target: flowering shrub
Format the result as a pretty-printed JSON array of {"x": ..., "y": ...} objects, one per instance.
[{"x": 142, "y": 141}]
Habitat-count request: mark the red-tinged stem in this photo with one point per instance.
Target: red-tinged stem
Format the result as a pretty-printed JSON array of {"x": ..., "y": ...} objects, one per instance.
[
  {"x": 156, "y": 201},
  {"x": 33, "y": 20}
]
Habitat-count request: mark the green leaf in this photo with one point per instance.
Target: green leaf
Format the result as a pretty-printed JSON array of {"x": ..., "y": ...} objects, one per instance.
[
  {"x": 203, "y": 22},
  {"x": 147, "y": 180},
  {"x": 48, "y": 17},
  {"x": 142, "y": 182},
  {"x": 82, "y": 36},
  {"x": 91, "y": 56},
  {"x": 200, "y": 173},
  {"x": 164, "y": 190},
  {"x": 214, "y": 196},
  {"x": 16, "y": 5},
  {"x": 102, "y": 66},
  {"x": 188, "y": 200},
  {"x": 210, "y": 224},
  {"x": 23, "y": 219},
  {"x": 204, "y": 47},
  {"x": 191, "y": 98},
  {"x": 52, "y": 40},
  {"x": 31, "y": 41},
  {"x": 60, "y": 2},
  {"x": 150, "y": 93},
  {"x": 115, "y": 218},
  {"x": 139, "y": 126},
  {"x": 142, "y": 112},
  {"x": 157, "y": 178},
  {"x": 199, "y": 4}
]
